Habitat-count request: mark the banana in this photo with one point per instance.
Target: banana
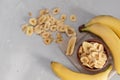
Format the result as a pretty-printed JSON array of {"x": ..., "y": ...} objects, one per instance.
[
  {"x": 108, "y": 20},
  {"x": 71, "y": 45},
  {"x": 110, "y": 38},
  {"x": 66, "y": 74}
]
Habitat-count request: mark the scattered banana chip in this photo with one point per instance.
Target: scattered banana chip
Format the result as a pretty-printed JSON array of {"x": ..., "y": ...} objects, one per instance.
[
  {"x": 24, "y": 27},
  {"x": 46, "y": 34},
  {"x": 42, "y": 19},
  {"x": 53, "y": 28},
  {"x": 70, "y": 32},
  {"x": 59, "y": 22},
  {"x": 38, "y": 29},
  {"x": 71, "y": 45},
  {"x": 29, "y": 30},
  {"x": 44, "y": 11},
  {"x": 99, "y": 64},
  {"x": 45, "y": 24},
  {"x": 62, "y": 29},
  {"x": 33, "y": 21},
  {"x": 63, "y": 17},
  {"x": 85, "y": 46},
  {"x": 59, "y": 35},
  {"x": 56, "y": 10},
  {"x": 73, "y": 18},
  {"x": 47, "y": 41},
  {"x": 58, "y": 28},
  {"x": 59, "y": 38},
  {"x": 100, "y": 47}
]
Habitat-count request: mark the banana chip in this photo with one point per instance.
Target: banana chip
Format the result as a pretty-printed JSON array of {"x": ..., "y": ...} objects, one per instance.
[
  {"x": 70, "y": 32},
  {"x": 53, "y": 28},
  {"x": 59, "y": 38},
  {"x": 29, "y": 30},
  {"x": 80, "y": 50},
  {"x": 62, "y": 29},
  {"x": 47, "y": 26},
  {"x": 24, "y": 27},
  {"x": 38, "y": 29},
  {"x": 63, "y": 17},
  {"x": 44, "y": 11},
  {"x": 47, "y": 41},
  {"x": 71, "y": 46},
  {"x": 56, "y": 10},
  {"x": 73, "y": 18},
  {"x": 46, "y": 34},
  {"x": 42, "y": 19},
  {"x": 33, "y": 21}
]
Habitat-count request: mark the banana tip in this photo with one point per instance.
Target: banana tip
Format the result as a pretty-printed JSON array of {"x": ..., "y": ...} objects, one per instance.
[
  {"x": 81, "y": 27},
  {"x": 53, "y": 62}
]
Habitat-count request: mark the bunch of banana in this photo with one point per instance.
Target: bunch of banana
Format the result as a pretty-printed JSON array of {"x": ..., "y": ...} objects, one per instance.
[
  {"x": 107, "y": 28},
  {"x": 107, "y": 20}
]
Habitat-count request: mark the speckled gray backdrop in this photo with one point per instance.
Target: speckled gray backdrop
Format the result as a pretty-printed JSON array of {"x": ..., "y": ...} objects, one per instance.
[{"x": 27, "y": 58}]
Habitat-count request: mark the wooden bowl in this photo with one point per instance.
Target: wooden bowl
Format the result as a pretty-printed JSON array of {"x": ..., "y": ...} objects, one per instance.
[{"x": 107, "y": 52}]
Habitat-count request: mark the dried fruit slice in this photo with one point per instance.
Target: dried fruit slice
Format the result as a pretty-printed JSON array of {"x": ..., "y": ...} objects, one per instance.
[
  {"x": 71, "y": 45},
  {"x": 70, "y": 32},
  {"x": 38, "y": 29},
  {"x": 29, "y": 30},
  {"x": 48, "y": 41},
  {"x": 59, "y": 38},
  {"x": 56, "y": 10},
  {"x": 33, "y": 21},
  {"x": 62, "y": 29},
  {"x": 63, "y": 17},
  {"x": 45, "y": 34},
  {"x": 53, "y": 28},
  {"x": 84, "y": 59},
  {"x": 47, "y": 26},
  {"x": 73, "y": 18},
  {"x": 24, "y": 27},
  {"x": 86, "y": 46},
  {"x": 80, "y": 50},
  {"x": 44, "y": 11}
]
